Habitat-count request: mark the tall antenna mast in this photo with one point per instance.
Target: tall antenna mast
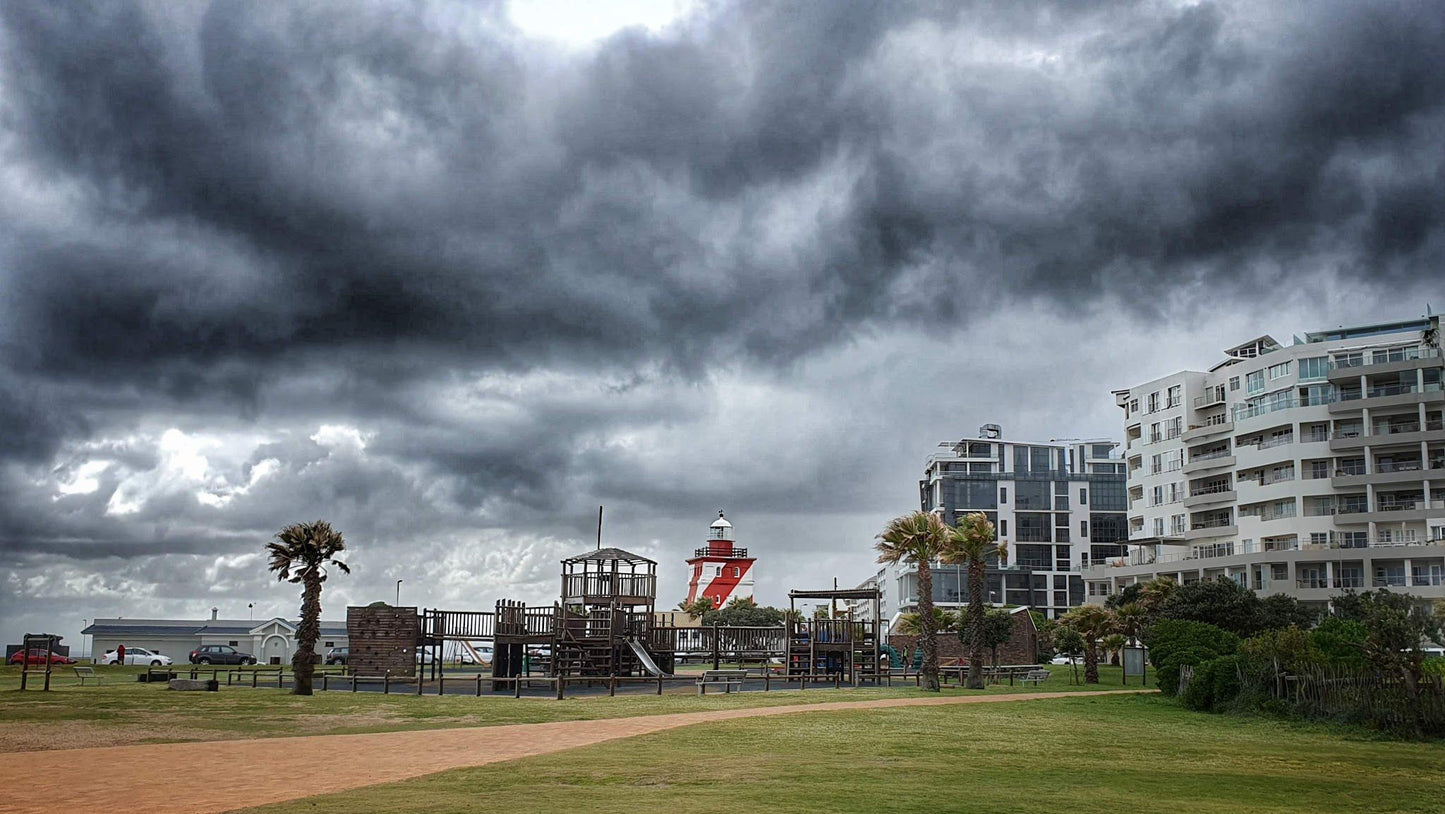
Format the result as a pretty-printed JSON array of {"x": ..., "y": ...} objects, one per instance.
[{"x": 599, "y": 528}]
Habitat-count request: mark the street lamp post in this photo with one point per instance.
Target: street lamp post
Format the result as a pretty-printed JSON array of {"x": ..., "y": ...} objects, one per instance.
[
  {"x": 251, "y": 611},
  {"x": 398, "y": 593}
]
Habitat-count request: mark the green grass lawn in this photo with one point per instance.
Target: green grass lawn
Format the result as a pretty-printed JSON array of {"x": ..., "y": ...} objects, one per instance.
[
  {"x": 121, "y": 710},
  {"x": 1121, "y": 754}
]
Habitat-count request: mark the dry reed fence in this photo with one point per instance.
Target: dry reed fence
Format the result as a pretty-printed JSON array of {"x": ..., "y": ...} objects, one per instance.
[{"x": 1346, "y": 694}]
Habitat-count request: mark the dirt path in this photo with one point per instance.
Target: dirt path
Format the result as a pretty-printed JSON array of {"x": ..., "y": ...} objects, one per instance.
[{"x": 225, "y": 775}]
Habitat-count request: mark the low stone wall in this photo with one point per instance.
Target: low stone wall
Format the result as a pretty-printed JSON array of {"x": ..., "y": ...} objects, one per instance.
[{"x": 382, "y": 640}]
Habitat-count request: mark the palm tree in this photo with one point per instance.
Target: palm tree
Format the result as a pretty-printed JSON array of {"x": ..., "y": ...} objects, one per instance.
[
  {"x": 1092, "y": 622},
  {"x": 971, "y": 543},
  {"x": 1131, "y": 618},
  {"x": 943, "y": 622},
  {"x": 301, "y": 553},
  {"x": 1154, "y": 593},
  {"x": 917, "y": 539}
]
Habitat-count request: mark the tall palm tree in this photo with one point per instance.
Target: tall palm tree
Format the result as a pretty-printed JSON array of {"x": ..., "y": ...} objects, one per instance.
[
  {"x": 917, "y": 539},
  {"x": 300, "y": 554},
  {"x": 1131, "y": 618},
  {"x": 971, "y": 542},
  {"x": 1093, "y": 622}
]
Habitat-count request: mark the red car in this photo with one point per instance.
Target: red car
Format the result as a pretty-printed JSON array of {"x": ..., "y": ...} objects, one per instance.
[{"x": 37, "y": 657}]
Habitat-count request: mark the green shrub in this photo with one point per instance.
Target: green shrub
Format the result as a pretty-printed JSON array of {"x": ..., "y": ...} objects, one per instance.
[
  {"x": 1340, "y": 641},
  {"x": 1176, "y": 642},
  {"x": 1215, "y": 685},
  {"x": 1434, "y": 666}
]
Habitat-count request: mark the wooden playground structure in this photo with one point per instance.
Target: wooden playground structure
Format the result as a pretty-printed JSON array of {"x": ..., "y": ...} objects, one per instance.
[{"x": 604, "y": 628}]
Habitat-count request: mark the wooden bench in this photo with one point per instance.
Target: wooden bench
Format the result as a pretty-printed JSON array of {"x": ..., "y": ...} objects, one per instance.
[
  {"x": 83, "y": 673},
  {"x": 727, "y": 678}
]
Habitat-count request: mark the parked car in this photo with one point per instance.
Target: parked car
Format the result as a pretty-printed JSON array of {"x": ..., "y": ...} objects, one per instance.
[
  {"x": 337, "y": 655},
  {"x": 220, "y": 654},
  {"x": 37, "y": 656},
  {"x": 1062, "y": 660},
  {"x": 138, "y": 656}
]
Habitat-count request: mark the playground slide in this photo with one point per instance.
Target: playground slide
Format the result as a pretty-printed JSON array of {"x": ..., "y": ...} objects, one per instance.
[
  {"x": 475, "y": 655},
  {"x": 641, "y": 652}
]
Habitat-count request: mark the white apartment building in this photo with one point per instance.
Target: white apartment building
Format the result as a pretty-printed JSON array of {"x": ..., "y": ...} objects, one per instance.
[
  {"x": 1058, "y": 505},
  {"x": 1302, "y": 469}
]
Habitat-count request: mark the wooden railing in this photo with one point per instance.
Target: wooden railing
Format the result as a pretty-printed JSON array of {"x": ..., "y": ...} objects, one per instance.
[
  {"x": 458, "y": 625},
  {"x": 607, "y": 584}
]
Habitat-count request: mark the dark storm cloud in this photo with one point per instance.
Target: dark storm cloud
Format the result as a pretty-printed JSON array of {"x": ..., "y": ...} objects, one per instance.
[{"x": 236, "y": 219}]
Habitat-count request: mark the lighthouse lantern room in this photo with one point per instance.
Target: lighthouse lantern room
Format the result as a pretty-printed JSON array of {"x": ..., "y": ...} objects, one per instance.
[{"x": 720, "y": 570}]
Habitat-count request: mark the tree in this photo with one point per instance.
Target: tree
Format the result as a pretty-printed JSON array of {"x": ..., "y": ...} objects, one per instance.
[
  {"x": 1223, "y": 603},
  {"x": 1093, "y": 622},
  {"x": 917, "y": 539},
  {"x": 1126, "y": 595},
  {"x": 1174, "y": 643},
  {"x": 1068, "y": 642},
  {"x": 742, "y": 611},
  {"x": 998, "y": 628},
  {"x": 1278, "y": 611},
  {"x": 300, "y": 554},
  {"x": 1155, "y": 592},
  {"x": 1397, "y": 624},
  {"x": 698, "y": 608},
  {"x": 971, "y": 543},
  {"x": 943, "y": 622}
]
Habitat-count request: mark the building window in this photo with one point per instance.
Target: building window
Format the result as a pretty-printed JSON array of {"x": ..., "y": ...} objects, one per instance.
[
  {"x": 1233, "y": 383},
  {"x": 1158, "y": 527},
  {"x": 1176, "y": 395},
  {"x": 1254, "y": 382},
  {"x": 1033, "y": 528},
  {"x": 1133, "y": 407},
  {"x": 328, "y": 644},
  {"x": 1278, "y": 371},
  {"x": 1083, "y": 497},
  {"x": 1003, "y": 527},
  {"x": 237, "y": 643},
  {"x": 1003, "y": 494},
  {"x": 1083, "y": 529},
  {"x": 1315, "y": 369},
  {"x": 737, "y": 571},
  {"x": 1154, "y": 402}
]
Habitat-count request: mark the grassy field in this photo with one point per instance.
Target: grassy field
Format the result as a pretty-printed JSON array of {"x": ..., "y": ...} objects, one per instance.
[
  {"x": 121, "y": 710},
  {"x": 1134, "y": 753}
]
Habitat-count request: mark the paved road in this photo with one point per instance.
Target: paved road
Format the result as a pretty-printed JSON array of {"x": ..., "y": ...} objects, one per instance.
[{"x": 224, "y": 775}]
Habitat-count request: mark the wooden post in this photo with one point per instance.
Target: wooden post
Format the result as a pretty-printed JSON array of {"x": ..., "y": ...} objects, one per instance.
[
  {"x": 420, "y": 679},
  {"x": 386, "y": 683},
  {"x": 479, "y": 683},
  {"x": 716, "y": 648},
  {"x": 612, "y": 686},
  {"x": 517, "y": 685},
  {"x": 324, "y": 677},
  {"x": 659, "y": 684},
  {"x": 353, "y": 683},
  {"x": 559, "y": 679},
  {"x": 254, "y": 676}
]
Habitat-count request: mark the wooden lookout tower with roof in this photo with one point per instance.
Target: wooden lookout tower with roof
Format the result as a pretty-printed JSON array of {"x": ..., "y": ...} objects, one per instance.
[{"x": 606, "y": 614}]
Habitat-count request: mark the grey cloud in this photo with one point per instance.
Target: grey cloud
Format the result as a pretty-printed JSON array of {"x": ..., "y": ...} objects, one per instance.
[{"x": 254, "y": 221}]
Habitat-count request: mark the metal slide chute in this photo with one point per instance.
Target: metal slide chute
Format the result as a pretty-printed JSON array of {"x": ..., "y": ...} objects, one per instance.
[{"x": 645, "y": 658}]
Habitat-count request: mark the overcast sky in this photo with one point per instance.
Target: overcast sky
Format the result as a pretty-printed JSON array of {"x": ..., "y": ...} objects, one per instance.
[{"x": 450, "y": 275}]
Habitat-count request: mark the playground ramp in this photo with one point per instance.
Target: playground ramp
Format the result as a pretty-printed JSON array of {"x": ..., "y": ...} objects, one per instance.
[{"x": 643, "y": 656}]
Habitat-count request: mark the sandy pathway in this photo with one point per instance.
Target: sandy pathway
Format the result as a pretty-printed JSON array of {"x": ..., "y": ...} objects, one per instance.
[{"x": 224, "y": 775}]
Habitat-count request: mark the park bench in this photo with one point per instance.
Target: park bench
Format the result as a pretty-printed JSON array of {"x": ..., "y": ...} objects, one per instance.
[
  {"x": 83, "y": 673},
  {"x": 1034, "y": 677},
  {"x": 727, "y": 678}
]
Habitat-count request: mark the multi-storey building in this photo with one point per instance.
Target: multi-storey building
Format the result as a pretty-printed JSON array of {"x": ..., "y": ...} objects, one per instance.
[
  {"x": 1302, "y": 469},
  {"x": 1058, "y": 505}
]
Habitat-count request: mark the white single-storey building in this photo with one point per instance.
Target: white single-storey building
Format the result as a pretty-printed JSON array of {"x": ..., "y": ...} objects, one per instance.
[{"x": 271, "y": 641}]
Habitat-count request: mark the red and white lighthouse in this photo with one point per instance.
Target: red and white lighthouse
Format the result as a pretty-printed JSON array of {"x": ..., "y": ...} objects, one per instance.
[{"x": 720, "y": 570}]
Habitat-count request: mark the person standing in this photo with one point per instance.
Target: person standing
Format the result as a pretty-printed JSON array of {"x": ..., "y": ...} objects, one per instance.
[{"x": 120, "y": 655}]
